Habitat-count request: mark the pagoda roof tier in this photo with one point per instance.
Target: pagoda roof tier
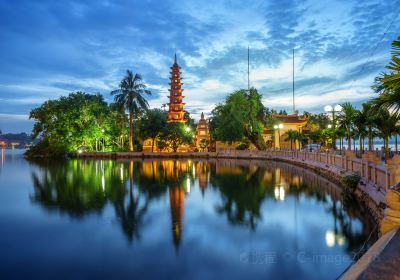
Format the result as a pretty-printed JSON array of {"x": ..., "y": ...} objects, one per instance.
[
  {"x": 176, "y": 89},
  {"x": 178, "y": 96}
]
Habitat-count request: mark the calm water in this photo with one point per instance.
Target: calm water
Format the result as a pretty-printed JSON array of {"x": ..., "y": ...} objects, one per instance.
[{"x": 181, "y": 219}]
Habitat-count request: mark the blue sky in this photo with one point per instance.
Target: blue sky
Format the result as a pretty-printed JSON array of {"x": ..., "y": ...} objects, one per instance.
[{"x": 51, "y": 48}]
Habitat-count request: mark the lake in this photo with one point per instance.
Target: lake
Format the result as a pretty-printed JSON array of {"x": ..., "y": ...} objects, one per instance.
[{"x": 181, "y": 219}]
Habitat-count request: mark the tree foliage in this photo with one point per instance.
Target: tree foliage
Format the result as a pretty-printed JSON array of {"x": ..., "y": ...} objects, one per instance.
[
  {"x": 240, "y": 116},
  {"x": 79, "y": 120}
]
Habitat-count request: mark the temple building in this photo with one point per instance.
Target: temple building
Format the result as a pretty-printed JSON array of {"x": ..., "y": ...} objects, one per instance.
[
  {"x": 202, "y": 133},
  {"x": 277, "y": 137},
  {"x": 175, "y": 112}
]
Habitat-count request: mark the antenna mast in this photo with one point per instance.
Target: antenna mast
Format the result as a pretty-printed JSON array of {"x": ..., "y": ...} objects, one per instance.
[
  {"x": 248, "y": 68},
  {"x": 294, "y": 107}
]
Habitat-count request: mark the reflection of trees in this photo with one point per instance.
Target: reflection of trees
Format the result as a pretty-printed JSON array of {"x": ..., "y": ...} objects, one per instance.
[
  {"x": 81, "y": 187},
  {"x": 69, "y": 188},
  {"x": 242, "y": 194},
  {"x": 131, "y": 213}
]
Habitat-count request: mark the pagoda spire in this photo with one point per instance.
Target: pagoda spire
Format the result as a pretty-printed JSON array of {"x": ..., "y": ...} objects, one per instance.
[{"x": 176, "y": 112}]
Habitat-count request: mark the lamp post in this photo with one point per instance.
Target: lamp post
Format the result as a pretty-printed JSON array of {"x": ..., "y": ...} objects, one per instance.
[
  {"x": 333, "y": 110},
  {"x": 279, "y": 127}
]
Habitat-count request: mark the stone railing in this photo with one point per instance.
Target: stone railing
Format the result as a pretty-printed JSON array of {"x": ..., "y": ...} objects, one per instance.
[{"x": 371, "y": 169}]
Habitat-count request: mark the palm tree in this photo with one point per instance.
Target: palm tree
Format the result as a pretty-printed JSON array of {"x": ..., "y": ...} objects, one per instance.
[
  {"x": 388, "y": 84},
  {"x": 130, "y": 97},
  {"x": 386, "y": 122},
  {"x": 346, "y": 119},
  {"x": 291, "y": 135},
  {"x": 360, "y": 125}
]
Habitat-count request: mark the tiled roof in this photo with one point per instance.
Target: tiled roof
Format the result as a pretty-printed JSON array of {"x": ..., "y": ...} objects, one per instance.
[{"x": 290, "y": 118}]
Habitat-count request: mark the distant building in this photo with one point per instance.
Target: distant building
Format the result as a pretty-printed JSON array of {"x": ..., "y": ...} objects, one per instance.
[
  {"x": 202, "y": 132},
  {"x": 276, "y": 138}
]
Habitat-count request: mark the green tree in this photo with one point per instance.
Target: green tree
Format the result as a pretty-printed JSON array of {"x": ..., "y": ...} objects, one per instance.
[
  {"x": 240, "y": 116},
  {"x": 152, "y": 124},
  {"x": 79, "y": 120},
  {"x": 292, "y": 136},
  {"x": 386, "y": 122},
  {"x": 346, "y": 120},
  {"x": 388, "y": 84},
  {"x": 174, "y": 135},
  {"x": 130, "y": 96}
]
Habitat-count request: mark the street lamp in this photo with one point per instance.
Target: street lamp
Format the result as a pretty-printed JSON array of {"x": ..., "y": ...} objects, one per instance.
[
  {"x": 279, "y": 127},
  {"x": 332, "y": 110}
]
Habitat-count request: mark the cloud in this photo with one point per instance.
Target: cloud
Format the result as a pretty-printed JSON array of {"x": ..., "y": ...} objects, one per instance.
[{"x": 50, "y": 48}]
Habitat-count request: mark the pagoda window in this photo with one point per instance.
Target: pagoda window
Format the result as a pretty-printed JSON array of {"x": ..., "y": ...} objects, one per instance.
[{"x": 202, "y": 132}]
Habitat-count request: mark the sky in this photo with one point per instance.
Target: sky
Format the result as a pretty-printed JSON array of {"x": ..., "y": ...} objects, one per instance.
[{"x": 52, "y": 48}]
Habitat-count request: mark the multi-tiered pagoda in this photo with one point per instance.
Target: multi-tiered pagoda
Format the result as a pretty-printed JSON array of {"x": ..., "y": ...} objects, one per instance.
[{"x": 176, "y": 113}]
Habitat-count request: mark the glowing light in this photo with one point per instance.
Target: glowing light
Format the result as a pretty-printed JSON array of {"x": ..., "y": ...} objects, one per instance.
[
  {"x": 80, "y": 151},
  {"x": 341, "y": 240},
  {"x": 280, "y": 125},
  {"x": 187, "y": 185},
  {"x": 279, "y": 193},
  {"x": 329, "y": 126},
  {"x": 338, "y": 108},
  {"x": 328, "y": 108},
  {"x": 276, "y": 192},
  {"x": 187, "y": 129},
  {"x": 282, "y": 193},
  {"x": 330, "y": 238}
]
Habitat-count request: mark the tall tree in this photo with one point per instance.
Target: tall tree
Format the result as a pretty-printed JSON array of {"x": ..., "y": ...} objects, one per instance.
[
  {"x": 152, "y": 124},
  {"x": 346, "y": 119},
  {"x": 386, "y": 122},
  {"x": 240, "y": 116},
  {"x": 130, "y": 96}
]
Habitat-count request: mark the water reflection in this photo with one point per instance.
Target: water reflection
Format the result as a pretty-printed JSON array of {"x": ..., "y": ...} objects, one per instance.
[{"x": 82, "y": 187}]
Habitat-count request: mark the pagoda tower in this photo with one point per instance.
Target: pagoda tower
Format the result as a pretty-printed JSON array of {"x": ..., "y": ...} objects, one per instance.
[{"x": 175, "y": 112}]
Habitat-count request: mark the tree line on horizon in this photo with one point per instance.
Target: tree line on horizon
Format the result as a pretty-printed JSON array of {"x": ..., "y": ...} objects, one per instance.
[{"x": 85, "y": 121}]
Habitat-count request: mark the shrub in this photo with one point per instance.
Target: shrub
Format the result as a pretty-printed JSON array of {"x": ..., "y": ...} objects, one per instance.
[{"x": 350, "y": 182}]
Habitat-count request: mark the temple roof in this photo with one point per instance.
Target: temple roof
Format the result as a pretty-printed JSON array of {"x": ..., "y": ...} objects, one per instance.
[{"x": 291, "y": 119}]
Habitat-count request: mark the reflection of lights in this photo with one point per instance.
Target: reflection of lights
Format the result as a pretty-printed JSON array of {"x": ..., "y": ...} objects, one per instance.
[
  {"x": 279, "y": 192},
  {"x": 122, "y": 173},
  {"x": 340, "y": 240},
  {"x": 188, "y": 185},
  {"x": 103, "y": 182},
  {"x": 194, "y": 171},
  {"x": 330, "y": 238}
]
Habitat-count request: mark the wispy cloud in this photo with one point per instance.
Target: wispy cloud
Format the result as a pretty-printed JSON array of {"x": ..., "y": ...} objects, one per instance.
[{"x": 50, "y": 48}]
